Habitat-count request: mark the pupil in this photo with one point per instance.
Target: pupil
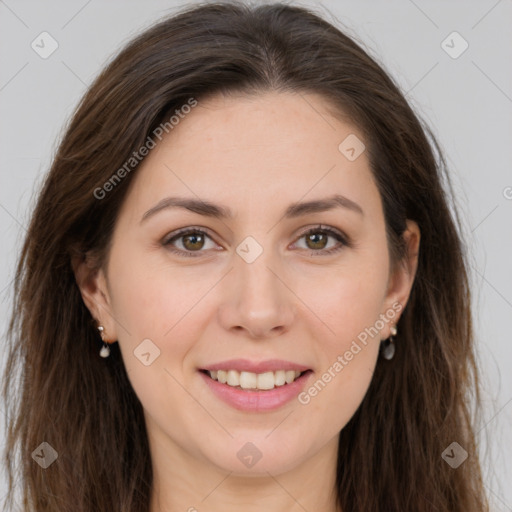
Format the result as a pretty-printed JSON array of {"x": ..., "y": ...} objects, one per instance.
[
  {"x": 311, "y": 238},
  {"x": 194, "y": 238}
]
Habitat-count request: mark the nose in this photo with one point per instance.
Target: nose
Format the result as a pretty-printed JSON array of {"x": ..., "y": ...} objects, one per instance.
[{"x": 257, "y": 300}]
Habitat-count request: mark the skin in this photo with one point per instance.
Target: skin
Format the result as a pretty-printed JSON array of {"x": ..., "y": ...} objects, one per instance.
[{"x": 255, "y": 155}]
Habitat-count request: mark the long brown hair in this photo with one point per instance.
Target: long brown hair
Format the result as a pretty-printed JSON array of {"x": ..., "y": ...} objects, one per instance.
[{"x": 61, "y": 392}]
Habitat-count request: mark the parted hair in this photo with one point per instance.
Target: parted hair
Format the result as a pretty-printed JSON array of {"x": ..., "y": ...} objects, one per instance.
[{"x": 56, "y": 387}]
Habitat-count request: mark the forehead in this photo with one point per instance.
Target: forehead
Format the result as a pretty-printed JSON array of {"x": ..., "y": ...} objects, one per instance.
[
  {"x": 286, "y": 126},
  {"x": 241, "y": 150}
]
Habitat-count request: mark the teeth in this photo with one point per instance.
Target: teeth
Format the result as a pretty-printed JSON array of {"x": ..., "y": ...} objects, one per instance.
[
  {"x": 233, "y": 378},
  {"x": 280, "y": 377},
  {"x": 249, "y": 380},
  {"x": 266, "y": 380},
  {"x": 290, "y": 376}
]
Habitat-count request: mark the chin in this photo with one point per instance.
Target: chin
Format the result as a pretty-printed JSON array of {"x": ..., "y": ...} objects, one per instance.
[{"x": 259, "y": 456}]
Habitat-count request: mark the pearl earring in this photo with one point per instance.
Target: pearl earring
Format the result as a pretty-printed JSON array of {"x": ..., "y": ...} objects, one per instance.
[
  {"x": 387, "y": 347},
  {"x": 105, "y": 350}
]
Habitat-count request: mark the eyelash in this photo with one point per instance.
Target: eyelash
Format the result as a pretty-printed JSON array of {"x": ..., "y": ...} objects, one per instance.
[{"x": 344, "y": 241}]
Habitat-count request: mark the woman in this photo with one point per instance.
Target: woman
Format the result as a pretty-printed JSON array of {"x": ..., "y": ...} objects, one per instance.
[{"x": 242, "y": 287}]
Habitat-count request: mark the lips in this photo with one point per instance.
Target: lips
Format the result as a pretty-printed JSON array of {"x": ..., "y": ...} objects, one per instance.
[
  {"x": 256, "y": 400},
  {"x": 256, "y": 386}
]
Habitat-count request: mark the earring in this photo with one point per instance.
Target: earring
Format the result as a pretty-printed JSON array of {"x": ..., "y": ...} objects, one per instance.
[
  {"x": 105, "y": 350},
  {"x": 387, "y": 347}
]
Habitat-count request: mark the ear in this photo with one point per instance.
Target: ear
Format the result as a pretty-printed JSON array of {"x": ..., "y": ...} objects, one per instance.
[
  {"x": 92, "y": 282},
  {"x": 402, "y": 278}
]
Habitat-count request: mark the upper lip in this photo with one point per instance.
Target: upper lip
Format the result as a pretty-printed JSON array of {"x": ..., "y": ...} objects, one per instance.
[{"x": 245, "y": 365}]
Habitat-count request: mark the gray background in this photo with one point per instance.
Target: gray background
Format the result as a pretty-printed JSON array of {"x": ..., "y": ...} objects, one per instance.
[{"x": 467, "y": 101}]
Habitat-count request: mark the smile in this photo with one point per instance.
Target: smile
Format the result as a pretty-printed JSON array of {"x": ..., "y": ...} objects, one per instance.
[
  {"x": 250, "y": 380},
  {"x": 265, "y": 391}
]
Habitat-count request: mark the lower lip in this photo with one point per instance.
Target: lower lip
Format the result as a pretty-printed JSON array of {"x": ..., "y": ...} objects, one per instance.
[{"x": 256, "y": 400}]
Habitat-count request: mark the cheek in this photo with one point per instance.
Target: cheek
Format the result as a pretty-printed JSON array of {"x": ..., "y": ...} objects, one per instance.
[
  {"x": 348, "y": 299},
  {"x": 351, "y": 307},
  {"x": 155, "y": 311},
  {"x": 151, "y": 295},
  {"x": 156, "y": 304}
]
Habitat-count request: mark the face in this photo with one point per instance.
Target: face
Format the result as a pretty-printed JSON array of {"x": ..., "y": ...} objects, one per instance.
[{"x": 274, "y": 285}]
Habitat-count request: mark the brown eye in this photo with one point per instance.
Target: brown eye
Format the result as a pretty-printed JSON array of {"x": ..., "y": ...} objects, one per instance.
[
  {"x": 317, "y": 239},
  {"x": 193, "y": 241},
  {"x": 188, "y": 241}
]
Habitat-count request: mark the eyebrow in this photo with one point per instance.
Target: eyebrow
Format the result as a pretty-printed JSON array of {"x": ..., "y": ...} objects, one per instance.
[{"x": 209, "y": 209}]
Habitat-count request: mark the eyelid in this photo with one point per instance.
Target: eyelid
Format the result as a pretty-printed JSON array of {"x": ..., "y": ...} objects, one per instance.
[
  {"x": 331, "y": 232},
  {"x": 327, "y": 229},
  {"x": 183, "y": 231},
  {"x": 166, "y": 241}
]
